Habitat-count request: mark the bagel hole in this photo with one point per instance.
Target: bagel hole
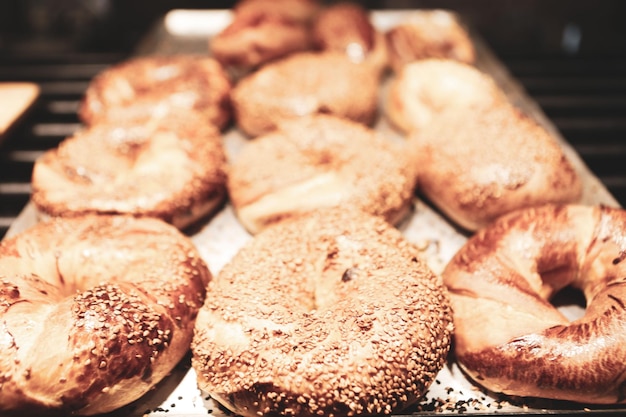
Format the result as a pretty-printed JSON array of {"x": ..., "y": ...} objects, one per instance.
[{"x": 571, "y": 302}]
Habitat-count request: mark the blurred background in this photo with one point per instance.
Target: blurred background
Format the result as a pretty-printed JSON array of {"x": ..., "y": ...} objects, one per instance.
[
  {"x": 510, "y": 26},
  {"x": 570, "y": 55}
]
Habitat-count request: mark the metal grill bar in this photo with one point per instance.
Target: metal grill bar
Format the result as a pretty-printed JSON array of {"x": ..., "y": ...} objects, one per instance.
[
  {"x": 585, "y": 97},
  {"x": 63, "y": 80}
]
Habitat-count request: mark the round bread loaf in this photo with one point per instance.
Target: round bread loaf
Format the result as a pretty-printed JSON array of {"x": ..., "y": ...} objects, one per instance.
[
  {"x": 304, "y": 84},
  {"x": 332, "y": 313},
  {"x": 320, "y": 161},
  {"x": 170, "y": 167},
  {"x": 510, "y": 338},
  {"x": 151, "y": 86},
  {"x": 94, "y": 312}
]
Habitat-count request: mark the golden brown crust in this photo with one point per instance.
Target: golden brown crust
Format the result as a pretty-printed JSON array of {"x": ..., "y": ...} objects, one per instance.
[
  {"x": 509, "y": 337},
  {"x": 304, "y": 84},
  {"x": 429, "y": 34},
  {"x": 256, "y": 37},
  {"x": 94, "y": 312},
  {"x": 171, "y": 167},
  {"x": 264, "y": 30},
  {"x": 478, "y": 165},
  {"x": 300, "y": 11},
  {"x": 346, "y": 27},
  {"x": 422, "y": 90},
  {"x": 320, "y": 161},
  {"x": 337, "y": 302},
  {"x": 156, "y": 85}
]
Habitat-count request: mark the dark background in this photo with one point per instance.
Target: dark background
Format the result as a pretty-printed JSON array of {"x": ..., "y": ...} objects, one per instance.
[{"x": 510, "y": 27}]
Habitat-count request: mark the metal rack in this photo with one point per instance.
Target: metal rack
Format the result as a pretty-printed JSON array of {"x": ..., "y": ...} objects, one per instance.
[{"x": 62, "y": 80}]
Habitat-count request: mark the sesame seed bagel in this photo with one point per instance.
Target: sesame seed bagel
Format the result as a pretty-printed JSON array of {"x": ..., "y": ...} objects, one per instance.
[
  {"x": 157, "y": 85},
  {"x": 94, "y": 312},
  {"x": 171, "y": 167},
  {"x": 510, "y": 338},
  {"x": 320, "y": 161},
  {"x": 331, "y": 313},
  {"x": 303, "y": 84}
]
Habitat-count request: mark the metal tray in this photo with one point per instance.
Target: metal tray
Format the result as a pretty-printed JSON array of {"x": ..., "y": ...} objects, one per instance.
[{"x": 188, "y": 31}]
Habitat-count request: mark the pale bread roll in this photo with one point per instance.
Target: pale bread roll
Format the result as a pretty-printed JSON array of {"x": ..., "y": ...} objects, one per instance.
[
  {"x": 424, "y": 89},
  {"x": 478, "y": 165},
  {"x": 305, "y": 84}
]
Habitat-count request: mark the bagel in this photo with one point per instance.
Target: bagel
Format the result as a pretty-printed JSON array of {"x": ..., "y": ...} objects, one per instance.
[
  {"x": 256, "y": 37},
  {"x": 478, "y": 165},
  {"x": 171, "y": 167},
  {"x": 330, "y": 161},
  {"x": 424, "y": 89},
  {"x": 330, "y": 313},
  {"x": 155, "y": 85},
  {"x": 510, "y": 338},
  {"x": 428, "y": 34},
  {"x": 346, "y": 27},
  {"x": 300, "y": 11},
  {"x": 303, "y": 84},
  {"x": 94, "y": 312}
]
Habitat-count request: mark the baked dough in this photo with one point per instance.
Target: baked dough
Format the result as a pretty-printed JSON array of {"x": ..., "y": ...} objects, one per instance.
[
  {"x": 478, "y": 165},
  {"x": 256, "y": 37},
  {"x": 428, "y": 34},
  {"x": 332, "y": 313},
  {"x": 346, "y": 27},
  {"x": 94, "y": 312},
  {"x": 510, "y": 338},
  {"x": 304, "y": 84},
  {"x": 320, "y": 161},
  {"x": 300, "y": 11},
  {"x": 424, "y": 89},
  {"x": 152, "y": 86},
  {"x": 170, "y": 167}
]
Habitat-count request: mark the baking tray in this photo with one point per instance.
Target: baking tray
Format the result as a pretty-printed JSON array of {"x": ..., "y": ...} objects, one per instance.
[{"x": 188, "y": 31}]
